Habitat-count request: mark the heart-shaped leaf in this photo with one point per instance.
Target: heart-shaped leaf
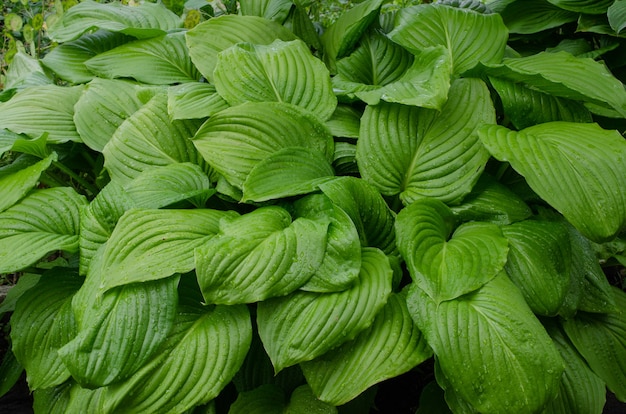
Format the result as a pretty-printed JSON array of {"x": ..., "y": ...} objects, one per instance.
[
  {"x": 572, "y": 167},
  {"x": 304, "y": 325},
  {"x": 415, "y": 152},
  {"x": 447, "y": 268}
]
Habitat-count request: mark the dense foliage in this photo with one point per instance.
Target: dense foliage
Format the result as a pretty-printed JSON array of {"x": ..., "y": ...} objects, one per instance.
[{"x": 240, "y": 208}]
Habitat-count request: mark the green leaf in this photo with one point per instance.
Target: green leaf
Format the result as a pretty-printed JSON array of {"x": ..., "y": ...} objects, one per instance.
[
  {"x": 445, "y": 265},
  {"x": 25, "y": 282},
  {"x": 303, "y": 401},
  {"x": 390, "y": 347},
  {"x": 533, "y": 16},
  {"x": 527, "y": 107},
  {"x": 194, "y": 100},
  {"x": 162, "y": 60},
  {"x": 154, "y": 244},
  {"x": 368, "y": 211},
  {"x": 539, "y": 264},
  {"x": 304, "y": 325},
  {"x": 382, "y": 70},
  {"x": 37, "y": 110},
  {"x": 144, "y": 20},
  {"x": 226, "y": 31},
  {"x": 583, "y": 6},
  {"x": 345, "y": 122},
  {"x": 67, "y": 60},
  {"x": 339, "y": 39},
  {"x": 147, "y": 139},
  {"x": 46, "y": 307},
  {"x": 25, "y": 71},
  {"x": 7, "y": 139},
  {"x": 564, "y": 75},
  {"x": 14, "y": 187},
  {"x": 10, "y": 372},
  {"x": 236, "y": 139},
  {"x": 104, "y": 106},
  {"x": 469, "y": 36},
  {"x": 288, "y": 172},
  {"x": 601, "y": 340},
  {"x": 259, "y": 255},
  {"x": 52, "y": 400},
  {"x": 492, "y": 351},
  {"x": 492, "y": 202},
  {"x": 281, "y": 71},
  {"x": 42, "y": 222},
  {"x": 118, "y": 331},
  {"x": 617, "y": 15},
  {"x": 573, "y": 167},
  {"x": 37, "y": 147},
  {"x": 270, "y": 399},
  {"x": 217, "y": 337},
  {"x": 276, "y": 10},
  {"x": 415, "y": 152}
]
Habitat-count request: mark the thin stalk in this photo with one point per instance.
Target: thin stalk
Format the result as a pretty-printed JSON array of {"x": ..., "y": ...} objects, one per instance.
[{"x": 80, "y": 180}]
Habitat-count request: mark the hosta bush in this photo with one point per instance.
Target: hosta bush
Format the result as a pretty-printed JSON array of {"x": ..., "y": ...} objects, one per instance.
[{"x": 247, "y": 216}]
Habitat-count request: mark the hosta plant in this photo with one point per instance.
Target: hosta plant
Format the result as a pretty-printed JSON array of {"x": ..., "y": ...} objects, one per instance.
[{"x": 251, "y": 215}]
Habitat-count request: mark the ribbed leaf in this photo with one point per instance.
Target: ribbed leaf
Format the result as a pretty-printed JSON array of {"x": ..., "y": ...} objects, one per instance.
[
  {"x": 7, "y": 139},
  {"x": 305, "y": 325},
  {"x": 288, "y": 172},
  {"x": 445, "y": 265},
  {"x": 469, "y": 36},
  {"x": 345, "y": 121},
  {"x": 24, "y": 71},
  {"x": 344, "y": 160},
  {"x": 580, "y": 391},
  {"x": 280, "y": 71},
  {"x": 493, "y": 352},
  {"x": 154, "y": 244},
  {"x": 415, "y": 152},
  {"x": 147, "y": 139},
  {"x": 194, "y": 100},
  {"x": 104, "y": 106},
  {"x": 224, "y": 32},
  {"x": 382, "y": 70},
  {"x": 40, "y": 109},
  {"x": 67, "y": 60},
  {"x": 527, "y": 107},
  {"x": 583, "y": 6},
  {"x": 218, "y": 339},
  {"x": 162, "y": 60},
  {"x": 390, "y": 347},
  {"x": 539, "y": 264},
  {"x": 492, "y": 202},
  {"x": 236, "y": 139},
  {"x": 617, "y": 15},
  {"x": 342, "y": 259},
  {"x": 601, "y": 340},
  {"x": 576, "y": 168},
  {"x": 533, "y": 16},
  {"x": 15, "y": 186},
  {"x": 276, "y": 10},
  {"x": 564, "y": 75},
  {"x": 339, "y": 39},
  {"x": 142, "y": 21},
  {"x": 24, "y": 283},
  {"x": 52, "y": 400},
  {"x": 270, "y": 399},
  {"x": 46, "y": 308},
  {"x": 259, "y": 255},
  {"x": 118, "y": 331},
  {"x": 10, "y": 372},
  {"x": 44, "y": 221},
  {"x": 368, "y": 210}
]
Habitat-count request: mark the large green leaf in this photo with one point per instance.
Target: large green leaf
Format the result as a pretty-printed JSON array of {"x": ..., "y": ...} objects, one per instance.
[
  {"x": 40, "y": 109},
  {"x": 390, "y": 347},
  {"x": 162, "y": 60},
  {"x": 583, "y": 6},
  {"x": 194, "y": 100},
  {"x": 304, "y": 325},
  {"x": 493, "y": 352},
  {"x": 154, "y": 244},
  {"x": 280, "y": 71},
  {"x": 617, "y": 15},
  {"x": 576, "y": 168},
  {"x": 445, "y": 265},
  {"x": 226, "y": 31},
  {"x": 7, "y": 139},
  {"x": 270, "y": 399},
  {"x": 276, "y": 10},
  {"x": 533, "y": 16},
  {"x": 601, "y": 340},
  {"x": 539, "y": 264},
  {"x": 469, "y": 36},
  {"x": 24, "y": 71},
  {"x": 147, "y": 139},
  {"x": 259, "y": 255},
  {"x": 142, "y": 21},
  {"x": 218, "y": 338},
  {"x": 67, "y": 60},
  {"x": 15, "y": 186},
  {"x": 104, "y": 106},
  {"x": 345, "y": 121},
  {"x": 42, "y": 222},
  {"x": 236, "y": 139},
  {"x": 415, "y": 152},
  {"x": 382, "y": 70},
  {"x": 46, "y": 307}
]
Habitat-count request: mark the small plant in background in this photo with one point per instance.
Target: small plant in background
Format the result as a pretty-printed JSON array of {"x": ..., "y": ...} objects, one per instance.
[{"x": 251, "y": 209}]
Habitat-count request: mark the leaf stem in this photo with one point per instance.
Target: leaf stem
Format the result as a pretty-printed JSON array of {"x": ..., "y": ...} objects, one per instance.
[{"x": 80, "y": 180}]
